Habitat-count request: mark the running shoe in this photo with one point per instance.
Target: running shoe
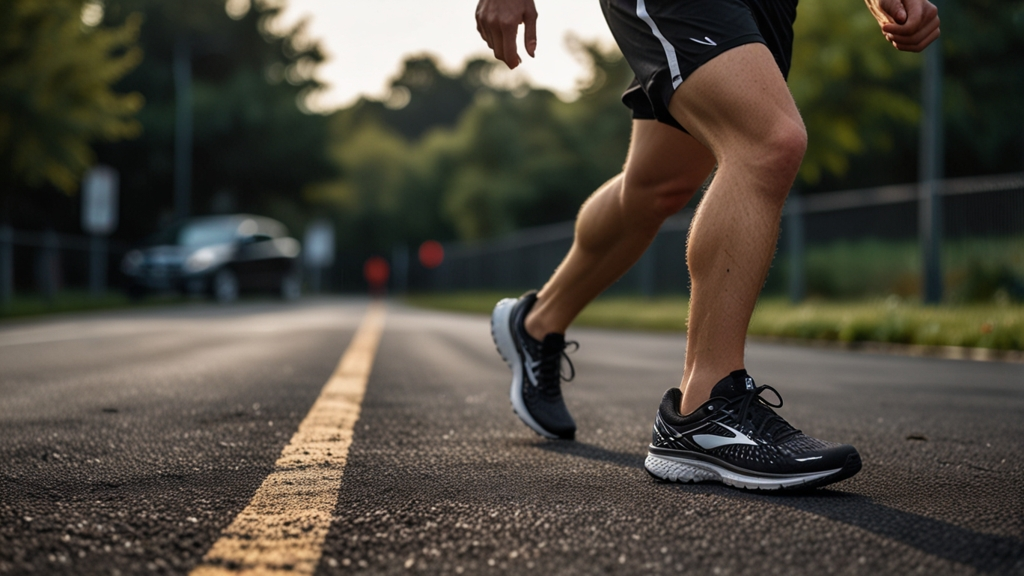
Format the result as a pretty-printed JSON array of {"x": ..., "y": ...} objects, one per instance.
[
  {"x": 737, "y": 439},
  {"x": 536, "y": 391}
]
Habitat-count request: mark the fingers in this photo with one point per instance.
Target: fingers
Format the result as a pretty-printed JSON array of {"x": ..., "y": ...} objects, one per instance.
[
  {"x": 915, "y": 38},
  {"x": 498, "y": 22},
  {"x": 485, "y": 35},
  {"x": 509, "y": 54},
  {"x": 891, "y": 11},
  {"x": 919, "y": 14},
  {"x": 919, "y": 45},
  {"x": 530, "y": 33},
  {"x": 920, "y": 29},
  {"x": 497, "y": 44}
]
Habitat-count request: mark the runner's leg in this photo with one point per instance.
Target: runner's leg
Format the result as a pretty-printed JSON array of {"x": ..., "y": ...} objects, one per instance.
[
  {"x": 664, "y": 168},
  {"x": 738, "y": 106}
]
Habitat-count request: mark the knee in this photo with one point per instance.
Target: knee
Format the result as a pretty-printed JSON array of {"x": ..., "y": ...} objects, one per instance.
[
  {"x": 782, "y": 151},
  {"x": 775, "y": 157}
]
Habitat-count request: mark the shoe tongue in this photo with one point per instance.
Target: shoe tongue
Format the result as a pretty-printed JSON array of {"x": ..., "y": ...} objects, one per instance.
[{"x": 735, "y": 384}]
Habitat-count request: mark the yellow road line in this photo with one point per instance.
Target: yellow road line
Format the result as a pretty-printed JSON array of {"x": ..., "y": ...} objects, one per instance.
[{"x": 282, "y": 530}]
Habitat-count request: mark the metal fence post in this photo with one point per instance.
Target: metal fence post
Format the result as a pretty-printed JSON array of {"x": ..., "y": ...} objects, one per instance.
[
  {"x": 795, "y": 245},
  {"x": 930, "y": 171},
  {"x": 400, "y": 268},
  {"x": 49, "y": 262},
  {"x": 97, "y": 265},
  {"x": 6, "y": 265}
]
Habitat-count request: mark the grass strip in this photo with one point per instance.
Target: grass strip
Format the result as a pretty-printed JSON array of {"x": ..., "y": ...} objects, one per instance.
[
  {"x": 22, "y": 306},
  {"x": 891, "y": 320}
]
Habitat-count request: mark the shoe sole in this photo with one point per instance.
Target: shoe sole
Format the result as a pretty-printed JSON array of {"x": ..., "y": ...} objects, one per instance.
[
  {"x": 684, "y": 470},
  {"x": 501, "y": 332}
]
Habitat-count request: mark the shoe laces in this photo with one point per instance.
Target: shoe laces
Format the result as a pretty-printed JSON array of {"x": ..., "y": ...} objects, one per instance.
[
  {"x": 549, "y": 365},
  {"x": 765, "y": 419}
]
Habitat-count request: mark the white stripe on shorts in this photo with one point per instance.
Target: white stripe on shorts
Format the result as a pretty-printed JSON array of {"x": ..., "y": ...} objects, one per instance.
[{"x": 670, "y": 52}]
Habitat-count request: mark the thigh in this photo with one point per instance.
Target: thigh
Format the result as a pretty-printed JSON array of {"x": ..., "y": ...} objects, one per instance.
[
  {"x": 665, "y": 41},
  {"x": 739, "y": 98},
  {"x": 662, "y": 156}
]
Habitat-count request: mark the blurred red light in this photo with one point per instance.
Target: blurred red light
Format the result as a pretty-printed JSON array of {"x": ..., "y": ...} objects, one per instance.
[
  {"x": 376, "y": 271},
  {"x": 431, "y": 254}
]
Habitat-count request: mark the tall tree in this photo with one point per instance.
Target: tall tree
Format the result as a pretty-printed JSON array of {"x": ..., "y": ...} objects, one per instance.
[
  {"x": 856, "y": 93},
  {"x": 255, "y": 145},
  {"x": 57, "y": 68}
]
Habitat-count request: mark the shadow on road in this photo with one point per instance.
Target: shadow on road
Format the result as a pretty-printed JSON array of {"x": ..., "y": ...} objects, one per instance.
[
  {"x": 592, "y": 452},
  {"x": 987, "y": 553}
]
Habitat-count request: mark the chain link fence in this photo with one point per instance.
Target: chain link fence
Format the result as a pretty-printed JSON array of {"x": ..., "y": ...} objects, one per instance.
[
  {"x": 47, "y": 262},
  {"x": 839, "y": 245}
]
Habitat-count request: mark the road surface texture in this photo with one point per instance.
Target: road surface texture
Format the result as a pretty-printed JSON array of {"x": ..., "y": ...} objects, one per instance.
[{"x": 129, "y": 441}]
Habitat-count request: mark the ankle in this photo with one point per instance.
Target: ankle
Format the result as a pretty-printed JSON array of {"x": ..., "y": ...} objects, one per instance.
[
  {"x": 697, "y": 389},
  {"x": 690, "y": 402},
  {"x": 536, "y": 326}
]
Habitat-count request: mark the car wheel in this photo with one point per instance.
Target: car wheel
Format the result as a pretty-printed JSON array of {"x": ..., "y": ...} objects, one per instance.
[
  {"x": 291, "y": 286},
  {"x": 225, "y": 286}
]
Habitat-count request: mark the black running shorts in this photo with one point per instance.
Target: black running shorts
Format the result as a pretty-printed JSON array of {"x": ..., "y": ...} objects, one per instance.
[{"x": 664, "y": 41}]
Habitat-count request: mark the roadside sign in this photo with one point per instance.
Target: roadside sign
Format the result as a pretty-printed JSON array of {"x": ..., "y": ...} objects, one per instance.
[
  {"x": 319, "y": 244},
  {"x": 99, "y": 200}
]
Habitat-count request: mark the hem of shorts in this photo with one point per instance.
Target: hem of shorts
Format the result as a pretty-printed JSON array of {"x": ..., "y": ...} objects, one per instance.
[{"x": 660, "y": 106}]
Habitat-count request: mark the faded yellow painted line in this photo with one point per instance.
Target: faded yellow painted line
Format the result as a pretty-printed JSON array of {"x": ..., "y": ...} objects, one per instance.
[{"x": 282, "y": 530}]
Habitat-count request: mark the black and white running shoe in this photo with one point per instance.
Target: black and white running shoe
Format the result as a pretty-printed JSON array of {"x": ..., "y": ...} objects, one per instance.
[
  {"x": 536, "y": 369},
  {"x": 737, "y": 439}
]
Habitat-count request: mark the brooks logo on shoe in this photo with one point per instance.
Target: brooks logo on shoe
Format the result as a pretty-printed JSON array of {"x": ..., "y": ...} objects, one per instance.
[{"x": 711, "y": 441}]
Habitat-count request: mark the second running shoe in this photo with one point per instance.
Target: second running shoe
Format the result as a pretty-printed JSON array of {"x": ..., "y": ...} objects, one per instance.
[
  {"x": 536, "y": 390},
  {"x": 737, "y": 439}
]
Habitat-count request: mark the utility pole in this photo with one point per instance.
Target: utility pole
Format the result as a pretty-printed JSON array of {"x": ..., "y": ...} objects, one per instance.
[
  {"x": 182, "y": 127},
  {"x": 930, "y": 172}
]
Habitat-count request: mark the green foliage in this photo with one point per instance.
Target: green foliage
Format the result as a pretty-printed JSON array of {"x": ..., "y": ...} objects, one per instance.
[
  {"x": 255, "y": 146},
  {"x": 994, "y": 326},
  {"x": 56, "y": 74},
  {"x": 508, "y": 158},
  {"x": 852, "y": 87},
  {"x": 859, "y": 96},
  {"x": 463, "y": 158},
  {"x": 984, "y": 88},
  {"x": 976, "y": 269}
]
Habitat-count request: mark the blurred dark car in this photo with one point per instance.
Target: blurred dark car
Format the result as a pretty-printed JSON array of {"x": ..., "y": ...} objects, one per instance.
[{"x": 221, "y": 256}]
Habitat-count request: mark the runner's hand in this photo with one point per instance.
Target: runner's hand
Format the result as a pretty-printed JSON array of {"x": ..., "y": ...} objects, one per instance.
[
  {"x": 909, "y": 25},
  {"x": 498, "y": 22}
]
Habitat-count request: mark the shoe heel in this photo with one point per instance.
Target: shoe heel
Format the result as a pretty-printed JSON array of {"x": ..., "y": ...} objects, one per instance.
[{"x": 501, "y": 333}]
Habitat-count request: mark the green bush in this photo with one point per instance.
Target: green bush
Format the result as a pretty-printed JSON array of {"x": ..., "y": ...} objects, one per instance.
[
  {"x": 896, "y": 320},
  {"x": 975, "y": 270}
]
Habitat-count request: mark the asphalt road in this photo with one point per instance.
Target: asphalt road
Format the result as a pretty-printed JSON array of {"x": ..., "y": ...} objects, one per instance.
[{"x": 130, "y": 440}]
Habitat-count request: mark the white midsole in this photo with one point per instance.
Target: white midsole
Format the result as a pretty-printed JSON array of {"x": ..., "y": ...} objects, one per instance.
[
  {"x": 679, "y": 469},
  {"x": 502, "y": 334}
]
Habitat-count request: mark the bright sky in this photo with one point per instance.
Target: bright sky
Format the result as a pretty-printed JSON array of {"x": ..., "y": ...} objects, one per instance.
[{"x": 367, "y": 40}]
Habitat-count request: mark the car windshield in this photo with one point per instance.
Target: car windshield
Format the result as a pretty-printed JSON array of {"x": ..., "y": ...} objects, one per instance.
[
  {"x": 207, "y": 233},
  {"x": 197, "y": 233}
]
